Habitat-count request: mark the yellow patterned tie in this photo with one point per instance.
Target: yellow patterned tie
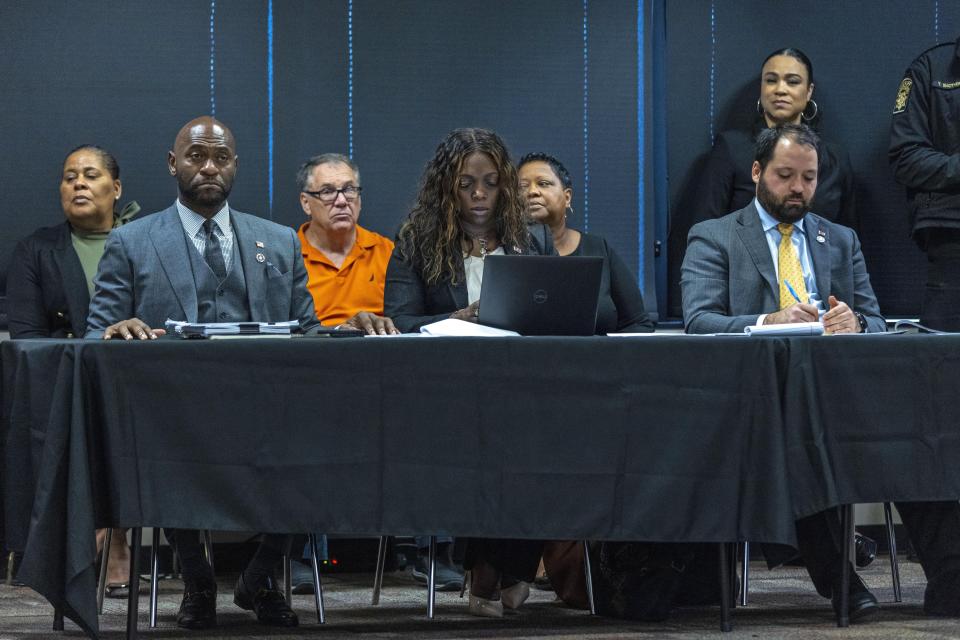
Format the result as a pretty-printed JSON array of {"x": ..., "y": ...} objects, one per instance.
[{"x": 788, "y": 264}]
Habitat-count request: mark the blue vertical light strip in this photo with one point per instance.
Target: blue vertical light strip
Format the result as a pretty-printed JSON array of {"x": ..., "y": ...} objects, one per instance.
[
  {"x": 936, "y": 21},
  {"x": 213, "y": 49},
  {"x": 713, "y": 66},
  {"x": 586, "y": 155},
  {"x": 350, "y": 77},
  {"x": 270, "y": 105},
  {"x": 641, "y": 147}
]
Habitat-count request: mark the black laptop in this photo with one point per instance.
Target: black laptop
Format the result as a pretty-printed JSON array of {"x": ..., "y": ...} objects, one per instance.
[{"x": 541, "y": 295}]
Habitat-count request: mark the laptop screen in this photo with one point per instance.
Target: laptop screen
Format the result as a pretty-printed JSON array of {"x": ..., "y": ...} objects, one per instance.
[{"x": 541, "y": 295}]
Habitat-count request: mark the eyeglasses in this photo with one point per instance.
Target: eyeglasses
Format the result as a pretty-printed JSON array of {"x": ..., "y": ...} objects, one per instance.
[{"x": 328, "y": 195}]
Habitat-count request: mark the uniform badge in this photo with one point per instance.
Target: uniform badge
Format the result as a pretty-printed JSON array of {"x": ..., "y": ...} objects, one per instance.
[
  {"x": 261, "y": 258},
  {"x": 903, "y": 94}
]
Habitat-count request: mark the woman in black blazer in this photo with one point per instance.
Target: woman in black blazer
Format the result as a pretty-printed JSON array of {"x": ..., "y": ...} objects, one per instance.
[
  {"x": 786, "y": 96},
  {"x": 50, "y": 281},
  {"x": 469, "y": 206}
]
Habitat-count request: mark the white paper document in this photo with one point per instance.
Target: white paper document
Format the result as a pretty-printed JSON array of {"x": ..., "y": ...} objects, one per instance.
[
  {"x": 451, "y": 327},
  {"x": 790, "y": 329}
]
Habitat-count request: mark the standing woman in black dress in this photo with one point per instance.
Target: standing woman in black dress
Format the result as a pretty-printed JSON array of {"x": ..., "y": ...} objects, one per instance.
[{"x": 786, "y": 96}]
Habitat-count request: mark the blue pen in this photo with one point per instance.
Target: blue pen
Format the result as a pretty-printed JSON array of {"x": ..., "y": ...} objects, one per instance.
[{"x": 792, "y": 292}]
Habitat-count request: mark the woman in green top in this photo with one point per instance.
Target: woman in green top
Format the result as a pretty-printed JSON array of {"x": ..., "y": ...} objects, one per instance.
[{"x": 50, "y": 281}]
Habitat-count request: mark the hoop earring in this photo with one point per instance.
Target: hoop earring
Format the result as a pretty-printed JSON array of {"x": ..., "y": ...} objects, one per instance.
[
  {"x": 759, "y": 108},
  {"x": 816, "y": 110}
]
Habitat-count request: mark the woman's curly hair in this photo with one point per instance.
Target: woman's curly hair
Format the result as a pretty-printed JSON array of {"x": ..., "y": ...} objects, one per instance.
[{"x": 431, "y": 238}]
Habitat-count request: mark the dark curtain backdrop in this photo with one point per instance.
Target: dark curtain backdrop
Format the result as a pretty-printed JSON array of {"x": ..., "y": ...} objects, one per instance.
[
  {"x": 859, "y": 50},
  {"x": 126, "y": 74}
]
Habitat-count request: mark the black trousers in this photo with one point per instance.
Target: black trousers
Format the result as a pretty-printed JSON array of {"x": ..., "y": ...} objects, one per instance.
[
  {"x": 941, "y": 295},
  {"x": 186, "y": 543},
  {"x": 933, "y": 527}
]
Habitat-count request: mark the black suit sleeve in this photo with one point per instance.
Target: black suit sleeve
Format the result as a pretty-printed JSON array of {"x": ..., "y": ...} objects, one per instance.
[
  {"x": 405, "y": 297},
  {"x": 713, "y": 196},
  {"x": 25, "y": 307},
  {"x": 848, "y": 214}
]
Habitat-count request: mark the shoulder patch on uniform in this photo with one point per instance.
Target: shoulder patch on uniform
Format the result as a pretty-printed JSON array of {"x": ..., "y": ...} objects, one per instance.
[{"x": 903, "y": 94}]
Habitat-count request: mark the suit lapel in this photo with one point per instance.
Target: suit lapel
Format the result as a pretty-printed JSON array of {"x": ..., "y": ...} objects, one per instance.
[
  {"x": 819, "y": 254},
  {"x": 74, "y": 281},
  {"x": 755, "y": 240},
  {"x": 254, "y": 272},
  {"x": 170, "y": 243}
]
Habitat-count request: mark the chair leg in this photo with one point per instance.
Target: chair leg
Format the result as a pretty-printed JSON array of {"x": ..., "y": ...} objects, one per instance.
[
  {"x": 745, "y": 575},
  {"x": 431, "y": 579},
  {"x": 378, "y": 574},
  {"x": 11, "y": 560},
  {"x": 724, "y": 588},
  {"x": 208, "y": 549},
  {"x": 732, "y": 549},
  {"x": 288, "y": 578},
  {"x": 846, "y": 525},
  {"x": 892, "y": 541},
  {"x": 588, "y": 574},
  {"x": 104, "y": 559},
  {"x": 154, "y": 575},
  {"x": 133, "y": 599},
  {"x": 317, "y": 588}
]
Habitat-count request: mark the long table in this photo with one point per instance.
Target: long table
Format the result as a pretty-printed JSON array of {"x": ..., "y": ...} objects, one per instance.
[{"x": 687, "y": 439}]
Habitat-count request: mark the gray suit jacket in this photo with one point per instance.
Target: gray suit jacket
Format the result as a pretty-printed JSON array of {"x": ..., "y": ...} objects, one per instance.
[
  {"x": 728, "y": 278},
  {"x": 145, "y": 273}
]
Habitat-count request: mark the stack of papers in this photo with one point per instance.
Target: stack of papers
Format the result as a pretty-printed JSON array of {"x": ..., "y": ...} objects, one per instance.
[{"x": 209, "y": 329}]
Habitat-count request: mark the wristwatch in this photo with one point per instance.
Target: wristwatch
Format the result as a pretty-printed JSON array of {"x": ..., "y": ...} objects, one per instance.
[{"x": 862, "y": 320}]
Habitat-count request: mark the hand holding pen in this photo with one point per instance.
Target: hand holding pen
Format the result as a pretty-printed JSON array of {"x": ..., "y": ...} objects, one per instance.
[{"x": 799, "y": 312}]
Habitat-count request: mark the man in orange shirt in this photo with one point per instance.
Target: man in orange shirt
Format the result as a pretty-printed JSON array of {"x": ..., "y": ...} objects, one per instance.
[{"x": 346, "y": 264}]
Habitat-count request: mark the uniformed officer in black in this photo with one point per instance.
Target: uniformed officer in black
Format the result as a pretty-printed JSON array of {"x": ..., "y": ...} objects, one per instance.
[{"x": 925, "y": 155}]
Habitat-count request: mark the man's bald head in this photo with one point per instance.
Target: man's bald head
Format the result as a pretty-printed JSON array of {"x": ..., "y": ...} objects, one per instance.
[
  {"x": 204, "y": 161},
  {"x": 205, "y": 127}
]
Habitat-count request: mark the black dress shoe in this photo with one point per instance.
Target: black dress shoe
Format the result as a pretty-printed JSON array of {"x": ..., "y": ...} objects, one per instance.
[
  {"x": 198, "y": 609},
  {"x": 267, "y": 602},
  {"x": 860, "y": 604}
]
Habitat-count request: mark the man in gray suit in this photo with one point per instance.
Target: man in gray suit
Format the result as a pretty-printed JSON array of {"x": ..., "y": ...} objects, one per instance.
[
  {"x": 202, "y": 261},
  {"x": 731, "y": 278}
]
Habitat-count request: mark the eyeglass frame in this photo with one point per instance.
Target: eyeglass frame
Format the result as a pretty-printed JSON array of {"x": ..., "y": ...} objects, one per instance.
[{"x": 336, "y": 194}]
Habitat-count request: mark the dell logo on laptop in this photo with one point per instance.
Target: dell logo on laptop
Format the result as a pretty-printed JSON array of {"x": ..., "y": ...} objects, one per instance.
[{"x": 540, "y": 296}]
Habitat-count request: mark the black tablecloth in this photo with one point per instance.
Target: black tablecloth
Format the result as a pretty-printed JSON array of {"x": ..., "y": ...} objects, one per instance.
[
  {"x": 662, "y": 438},
  {"x": 872, "y": 419}
]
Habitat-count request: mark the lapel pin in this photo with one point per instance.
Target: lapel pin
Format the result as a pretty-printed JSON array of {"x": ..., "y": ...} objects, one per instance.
[
  {"x": 260, "y": 257},
  {"x": 259, "y": 245},
  {"x": 821, "y": 236}
]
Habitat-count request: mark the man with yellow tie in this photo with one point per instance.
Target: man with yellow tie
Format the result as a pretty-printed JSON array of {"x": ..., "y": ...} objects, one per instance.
[{"x": 776, "y": 262}]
